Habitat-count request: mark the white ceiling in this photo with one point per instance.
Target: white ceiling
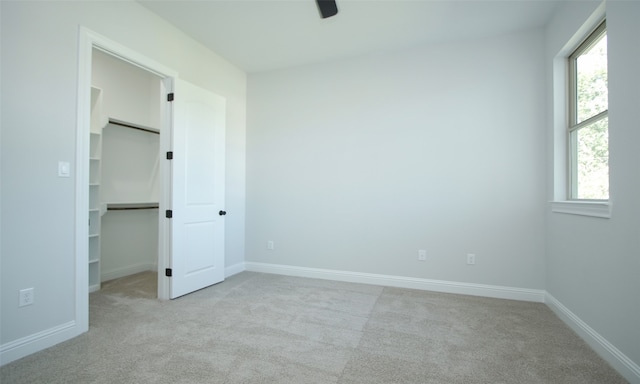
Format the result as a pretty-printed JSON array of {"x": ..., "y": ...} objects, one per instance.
[{"x": 261, "y": 35}]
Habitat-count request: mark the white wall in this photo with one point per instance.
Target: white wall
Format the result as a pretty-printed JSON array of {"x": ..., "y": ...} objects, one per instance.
[
  {"x": 129, "y": 243},
  {"x": 593, "y": 264},
  {"x": 130, "y": 160},
  {"x": 355, "y": 165},
  {"x": 130, "y": 93},
  {"x": 39, "y": 102}
]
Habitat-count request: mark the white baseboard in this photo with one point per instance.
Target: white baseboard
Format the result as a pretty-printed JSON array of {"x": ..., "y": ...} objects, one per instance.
[
  {"x": 234, "y": 269},
  {"x": 25, "y": 346},
  {"x": 126, "y": 271},
  {"x": 620, "y": 362},
  {"x": 522, "y": 294}
]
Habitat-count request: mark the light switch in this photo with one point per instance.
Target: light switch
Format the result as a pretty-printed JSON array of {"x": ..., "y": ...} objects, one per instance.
[{"x": 64, "y": 169}]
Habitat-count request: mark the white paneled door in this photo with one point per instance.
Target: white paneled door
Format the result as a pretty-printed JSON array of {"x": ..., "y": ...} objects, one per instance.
[{"x": 197, "y": 192}]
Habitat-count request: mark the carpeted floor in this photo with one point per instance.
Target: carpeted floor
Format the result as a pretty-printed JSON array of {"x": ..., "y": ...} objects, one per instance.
[{"x": 260, "y": 328}]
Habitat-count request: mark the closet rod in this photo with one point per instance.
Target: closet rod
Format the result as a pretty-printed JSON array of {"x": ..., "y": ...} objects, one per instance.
[
  {"x": 128, "y": 208},
  {"x": 123, "y": 124}
]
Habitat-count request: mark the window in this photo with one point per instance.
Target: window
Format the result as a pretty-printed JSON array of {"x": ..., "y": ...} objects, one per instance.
[{"x": 588, "y": 119}]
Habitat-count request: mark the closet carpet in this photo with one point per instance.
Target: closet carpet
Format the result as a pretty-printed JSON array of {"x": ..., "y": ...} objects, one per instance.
[{"x": 261, "y": 328}]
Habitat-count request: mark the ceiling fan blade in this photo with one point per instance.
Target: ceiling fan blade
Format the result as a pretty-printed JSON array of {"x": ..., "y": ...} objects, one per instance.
[{"x": 327, "y": 8}]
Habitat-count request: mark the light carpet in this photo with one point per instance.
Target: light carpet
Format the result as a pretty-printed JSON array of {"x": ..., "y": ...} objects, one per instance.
[{"x": 262, "y": 328}]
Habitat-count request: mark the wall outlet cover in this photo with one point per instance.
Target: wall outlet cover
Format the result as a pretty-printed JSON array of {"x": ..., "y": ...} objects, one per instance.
[
  {"x": 25, "y": 297},
  {"x": 471, "y": 258}
]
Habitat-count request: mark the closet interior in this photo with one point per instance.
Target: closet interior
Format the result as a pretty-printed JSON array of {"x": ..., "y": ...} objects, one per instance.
[{"x": 124, "y": 169}]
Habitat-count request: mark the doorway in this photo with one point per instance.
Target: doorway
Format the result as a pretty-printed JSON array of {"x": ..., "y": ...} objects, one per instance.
[
  {"x": 85, "y": 197},
  {"x": 190, "y": 245},
  {"x": 124, "y": 169}
]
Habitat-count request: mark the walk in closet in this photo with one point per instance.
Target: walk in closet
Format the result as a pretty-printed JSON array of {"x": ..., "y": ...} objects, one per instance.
[{"x": 124, "y": 169}]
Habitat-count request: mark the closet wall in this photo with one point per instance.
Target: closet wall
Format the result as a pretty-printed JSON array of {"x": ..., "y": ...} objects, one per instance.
[{"x": 130, "y": 160}]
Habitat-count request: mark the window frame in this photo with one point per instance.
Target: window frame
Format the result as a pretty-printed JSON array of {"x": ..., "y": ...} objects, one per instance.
[{"x": 573, "y": 126}]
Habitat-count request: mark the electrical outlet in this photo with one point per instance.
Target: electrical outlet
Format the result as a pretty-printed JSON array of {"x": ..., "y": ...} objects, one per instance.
[
  {"x": 471, "y": 259},
  {"x": 270, "y": 245},
  {"x": 422, "y": 255},
  {"x": 25, "y": 297}
]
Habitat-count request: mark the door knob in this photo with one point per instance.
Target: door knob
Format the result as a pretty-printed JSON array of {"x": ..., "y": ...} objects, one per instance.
[{"x": 222, "y": 213}]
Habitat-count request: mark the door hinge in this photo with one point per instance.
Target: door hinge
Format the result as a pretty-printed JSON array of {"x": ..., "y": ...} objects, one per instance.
[
  {"x": 167, "y": 272},
  {"x": 169, "y": 214},
  {"x": 170, "y": 96},
  {"x": 170, "y": 155}
]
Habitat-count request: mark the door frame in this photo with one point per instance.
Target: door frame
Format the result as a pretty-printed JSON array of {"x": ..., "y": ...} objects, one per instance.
[{"x": 87, "y": 41}]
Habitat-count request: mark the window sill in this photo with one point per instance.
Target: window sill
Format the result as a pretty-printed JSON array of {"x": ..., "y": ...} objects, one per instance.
[{"x": 600, "y": 209}]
